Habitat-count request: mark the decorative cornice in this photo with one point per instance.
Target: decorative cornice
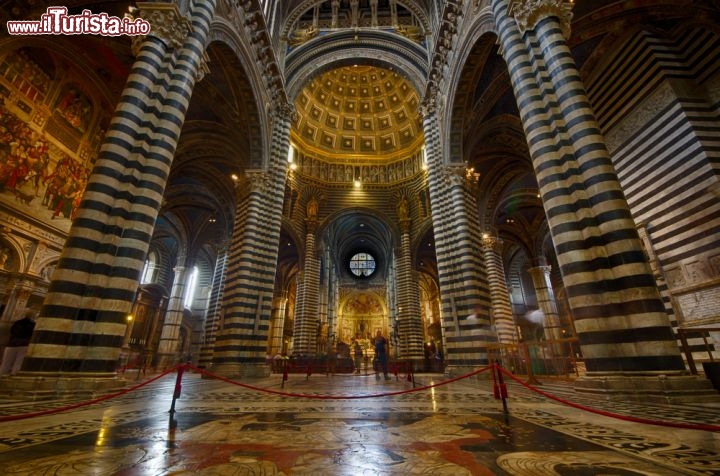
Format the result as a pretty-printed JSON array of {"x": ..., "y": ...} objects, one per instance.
[
  {"x": 294, "y": 16},
  {"x": 447, "y": 33},
  {"x": 528, "y": 13},
  {"x": 203, "y": 67},
  {"x": 259, "y": 36}
]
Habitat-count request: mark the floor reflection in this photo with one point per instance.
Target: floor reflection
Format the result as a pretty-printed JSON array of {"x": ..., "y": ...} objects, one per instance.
[{"x": 218, "y": 429}]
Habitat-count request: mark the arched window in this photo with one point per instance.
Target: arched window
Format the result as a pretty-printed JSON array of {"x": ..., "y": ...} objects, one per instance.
[
  {"x": 191, "y": 287},
  {"x": 149, "y": 272}
]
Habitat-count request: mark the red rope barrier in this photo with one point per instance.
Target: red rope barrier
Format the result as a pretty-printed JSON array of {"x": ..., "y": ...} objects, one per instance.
[
  {"x": 690, "y": 426},
  {"x": 334, "y": 397},
  {"x": 25, "y": 416},
  {"x": 495, "y": 367}
]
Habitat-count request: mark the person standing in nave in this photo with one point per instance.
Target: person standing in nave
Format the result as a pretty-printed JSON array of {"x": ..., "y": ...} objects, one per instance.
[
  {"x": 358, "y": 356},
  {"x": 381, "y": 355},
  {"x": 17, "y": 347}
]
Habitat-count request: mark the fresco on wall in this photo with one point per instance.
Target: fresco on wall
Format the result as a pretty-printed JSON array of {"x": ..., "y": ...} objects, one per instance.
[
  {"x": 74, "y": 107},
  {"x": 362, "y": 303},
  {"x": 44, "y": 185}
]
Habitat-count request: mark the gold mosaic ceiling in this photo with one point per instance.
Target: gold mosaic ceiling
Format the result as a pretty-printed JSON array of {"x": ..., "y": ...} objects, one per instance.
[{"x": 358, "y": 112}]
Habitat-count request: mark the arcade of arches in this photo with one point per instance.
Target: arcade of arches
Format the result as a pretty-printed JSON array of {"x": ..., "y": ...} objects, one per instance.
[{"x": 264, "y": 178}]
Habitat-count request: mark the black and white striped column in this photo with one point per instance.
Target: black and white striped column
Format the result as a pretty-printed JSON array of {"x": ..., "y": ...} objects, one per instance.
[
  {"x": 213, "y": 320},
  {"x": 546, "y": 302},
  {"x": 168, "y": 347},
  {"x": 275, "y": 346},
  {"x": 619, "y": 316},
  {"x": 410, "y": 326},
  {"x": 82, "y": 322},
  {"x": 501, "y": 306},
  {"x": 252, "y": 262},
  {"x": 465, "y": 298},
  {"x": 305, "y": 326}
]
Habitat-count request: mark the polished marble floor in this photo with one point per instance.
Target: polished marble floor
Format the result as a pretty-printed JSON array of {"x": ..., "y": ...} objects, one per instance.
[{"x": 298, "y": 427}]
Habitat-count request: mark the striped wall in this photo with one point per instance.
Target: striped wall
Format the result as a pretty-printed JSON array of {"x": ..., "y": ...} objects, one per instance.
[
  {"x": 619, "y": 316},
  {"x": 82, "y": 322},
  {"x": 252, "y": 259},
  {"x": 665, "y": 143}
]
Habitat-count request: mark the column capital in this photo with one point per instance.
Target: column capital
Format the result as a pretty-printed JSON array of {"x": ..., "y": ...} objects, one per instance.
[
  {"x": 311, "y": 226},
  {"x": 493, "y": 243},
  {"x": 432, "y": 103},
  {"x": 254, "y": 180},
  {"x": 540, "y": 271},
  {"x": 528, "y": 13},
  {"x": 459, "y": 175},
  {"x": 282, "y": 111},
  {"x": 167, "y": 23}
]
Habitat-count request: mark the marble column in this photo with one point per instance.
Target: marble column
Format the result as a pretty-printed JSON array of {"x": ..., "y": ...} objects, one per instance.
[
  {"x": 464, "y": 291},
  {"x": 168, "y": 353},
  {"x": 241, "y": 346},
  {"x": 610, "y": 285},
  {"x": 410, "y": 326},
  {"x": 278, "y": 324},
  {"x": 546, "y": 302},
  {"x": 501, "y": 306},
  {"x": 81, "y": 326},
  {"x": 306, "y": 322},
  {"x": 213, "y": 321}
]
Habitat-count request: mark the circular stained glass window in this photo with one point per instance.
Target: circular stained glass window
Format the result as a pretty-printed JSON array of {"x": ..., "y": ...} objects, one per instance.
[{"x": 362, "y": 264}]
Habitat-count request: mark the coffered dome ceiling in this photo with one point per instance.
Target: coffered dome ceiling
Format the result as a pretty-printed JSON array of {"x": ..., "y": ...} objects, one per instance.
[{"x": 358, "y": 112}]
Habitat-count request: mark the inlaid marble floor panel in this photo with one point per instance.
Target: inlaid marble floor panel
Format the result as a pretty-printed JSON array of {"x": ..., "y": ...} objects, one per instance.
[{"x": 456, "y": 429}]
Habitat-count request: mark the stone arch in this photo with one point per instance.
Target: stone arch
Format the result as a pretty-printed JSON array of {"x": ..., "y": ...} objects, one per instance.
[
  {"x": 15, "y": 260},
  {"x": 347, "y": 48},
  {"x": 223, "y": 32}
]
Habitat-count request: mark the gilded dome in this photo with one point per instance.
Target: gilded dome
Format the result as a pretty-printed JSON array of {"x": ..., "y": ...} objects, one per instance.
[{"x": 365, "y": 112}]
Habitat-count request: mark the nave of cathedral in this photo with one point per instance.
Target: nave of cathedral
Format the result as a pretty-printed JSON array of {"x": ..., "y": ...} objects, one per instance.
[{"x": 527, "y": 182}]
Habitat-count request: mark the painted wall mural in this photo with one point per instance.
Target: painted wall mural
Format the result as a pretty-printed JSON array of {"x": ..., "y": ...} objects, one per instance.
[
  {"x": 50, "y": 132},
  {"x": 29, "y": 177},
  {"x": 361, "y": 316}
]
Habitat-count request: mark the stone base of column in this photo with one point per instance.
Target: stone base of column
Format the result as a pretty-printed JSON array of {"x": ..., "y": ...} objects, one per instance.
[
  {"x": 166, "y": 361},
  {"x": 417, "y": 363},
  {"x": 39, "y": 386},
  {"x": 661, "y": 388},
  {"x": 237, "y": 370},
  {"x": 454, "y": 371}
]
